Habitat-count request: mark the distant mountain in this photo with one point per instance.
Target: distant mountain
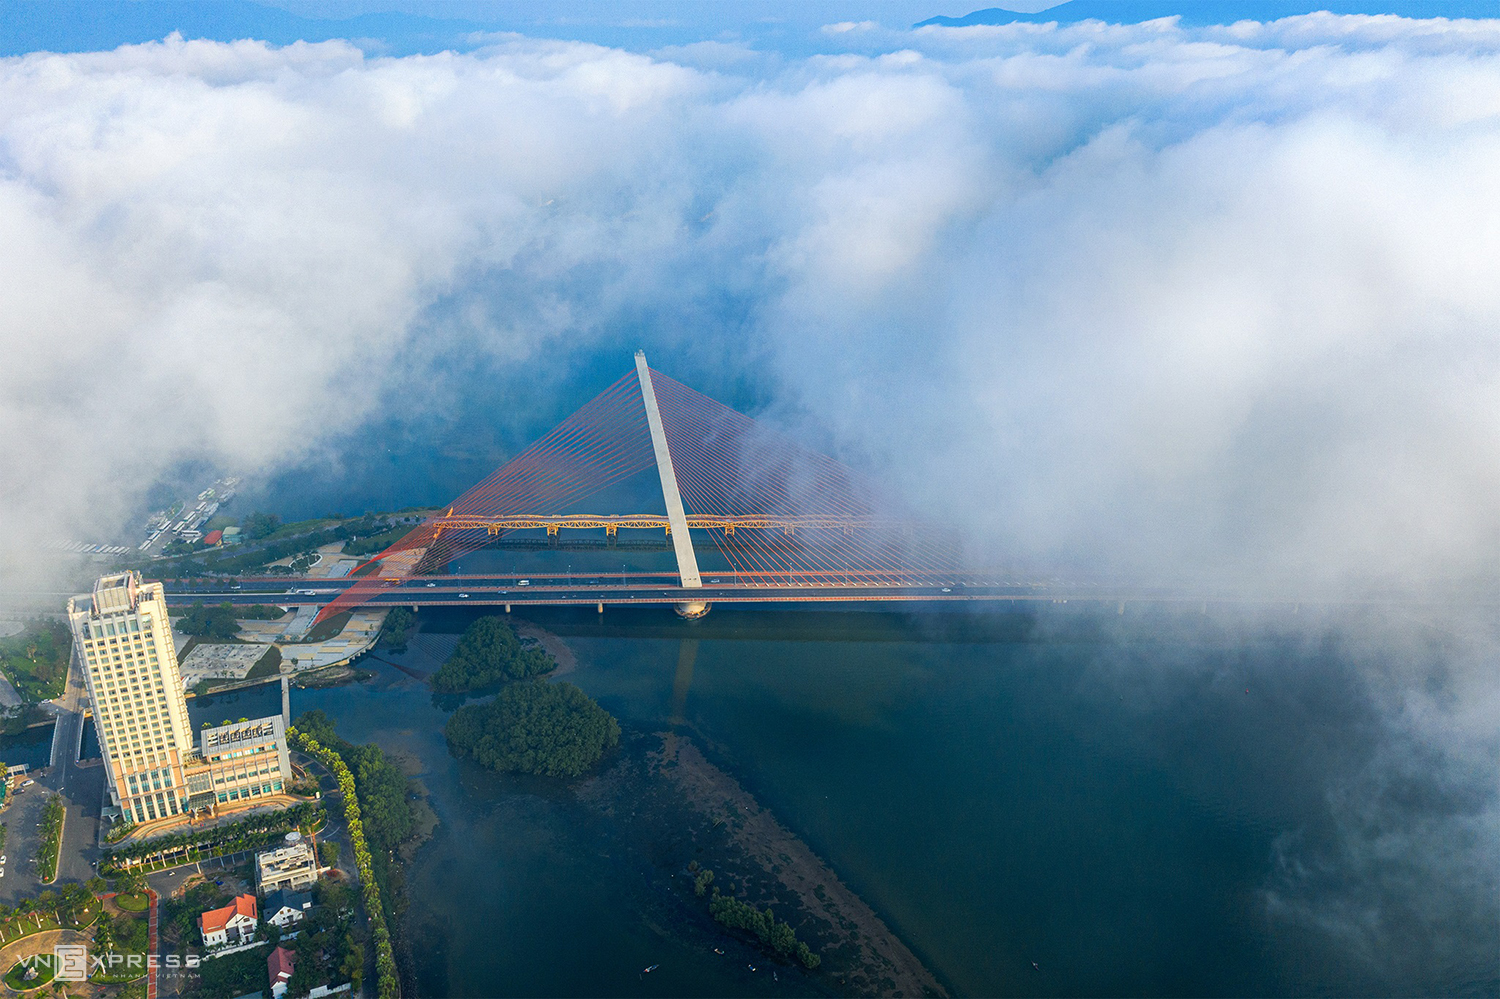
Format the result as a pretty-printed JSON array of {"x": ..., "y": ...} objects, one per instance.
[{"x": 1202, "y": 12}]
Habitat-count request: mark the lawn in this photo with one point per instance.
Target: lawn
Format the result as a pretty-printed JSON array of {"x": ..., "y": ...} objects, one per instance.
[
  {"x": 21, "y": 926},
  {"x": 131, "y": 967},
  {"x": 231, "y": 975},
  {"x": 45, "y": 966},
  {"x": 329, "y": 628},
  {"x": 132, "y": 903},
  {"x": 36, "y": 660},
  {"x": 268, "y": 664}
]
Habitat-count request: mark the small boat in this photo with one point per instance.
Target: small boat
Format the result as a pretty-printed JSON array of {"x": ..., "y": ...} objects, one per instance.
[
  {"x": 718, "y": 951},
  {"x": 651, "y": 969},
  {"x": 1038, "y": 967}
]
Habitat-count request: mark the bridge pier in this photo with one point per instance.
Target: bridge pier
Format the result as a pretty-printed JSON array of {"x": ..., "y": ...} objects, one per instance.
[{"x": 691, "y": 610}]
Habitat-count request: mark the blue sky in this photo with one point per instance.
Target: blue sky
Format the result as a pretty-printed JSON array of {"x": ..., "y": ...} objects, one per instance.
[{"x": 401, "y": 27}]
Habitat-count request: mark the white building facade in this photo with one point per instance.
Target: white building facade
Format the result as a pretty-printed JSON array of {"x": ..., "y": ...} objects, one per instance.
[{"x": 125, "y": 640}]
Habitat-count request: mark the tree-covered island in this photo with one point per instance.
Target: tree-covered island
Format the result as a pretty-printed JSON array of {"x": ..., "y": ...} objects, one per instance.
[
  {"x": 534, "y": 727},
  {"x": 490, "y": 653}
]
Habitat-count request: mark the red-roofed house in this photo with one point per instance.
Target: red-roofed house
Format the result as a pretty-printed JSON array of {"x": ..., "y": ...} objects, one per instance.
[
  {"x": 281, "y": 964},
  {"x": 213, "y": 537},
  {"x": 233, "y": 924}
]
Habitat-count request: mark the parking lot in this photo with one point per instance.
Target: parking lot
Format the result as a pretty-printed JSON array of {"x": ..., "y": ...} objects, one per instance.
[{"x": 20, "y": 817}]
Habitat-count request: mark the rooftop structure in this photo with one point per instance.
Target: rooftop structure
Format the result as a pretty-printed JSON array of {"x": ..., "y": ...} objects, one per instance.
[
  {"x": 294, "y": 865},
  {"x": 237, "y": 762}
]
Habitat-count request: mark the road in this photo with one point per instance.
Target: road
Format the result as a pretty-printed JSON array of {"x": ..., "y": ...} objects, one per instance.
[
  {"x": 81, "y": 788},
  {"x": 647, "y": 589},
  {"x": 82, "y": 785}
]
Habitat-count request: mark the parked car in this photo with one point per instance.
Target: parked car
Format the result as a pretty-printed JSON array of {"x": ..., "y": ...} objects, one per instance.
[{"x": 27, "y": 782}]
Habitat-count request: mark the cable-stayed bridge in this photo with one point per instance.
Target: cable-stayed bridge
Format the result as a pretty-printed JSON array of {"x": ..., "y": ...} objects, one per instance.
[{"x": 746, "y": 513}]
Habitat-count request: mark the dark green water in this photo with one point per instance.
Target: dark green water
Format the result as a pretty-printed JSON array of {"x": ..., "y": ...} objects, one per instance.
[{"x": 1141, "y": 808}]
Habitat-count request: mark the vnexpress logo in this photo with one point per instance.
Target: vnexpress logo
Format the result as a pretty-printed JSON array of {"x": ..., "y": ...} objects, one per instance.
[{"x": 72, "y": 962}]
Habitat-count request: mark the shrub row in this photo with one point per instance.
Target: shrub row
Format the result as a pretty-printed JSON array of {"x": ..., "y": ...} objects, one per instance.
[
  {"x": 385, "y": 958},
  {"x": 52, "y": 822},
  {"x": 246, "y": 834}
]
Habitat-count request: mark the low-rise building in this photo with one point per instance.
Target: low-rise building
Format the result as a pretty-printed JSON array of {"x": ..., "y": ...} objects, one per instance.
[
  {"x": 281, "y": 965},
  {"x": 283, "y": 908},
  {"x": 234, "y": 924},
  {"x": 292, "y": 866},
  {"x": 237, "y": 762}
]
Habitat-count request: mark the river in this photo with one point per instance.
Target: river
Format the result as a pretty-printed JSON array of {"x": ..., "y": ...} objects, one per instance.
[{"x": 1139, "y": 806}]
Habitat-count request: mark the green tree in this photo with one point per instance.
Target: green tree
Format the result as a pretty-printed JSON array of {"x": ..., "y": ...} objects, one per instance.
[
  {"x": 257, "y": 525},
  {"x": 489, "y": 653},
  {"x": 777, "y": 935},
  {"x": 209, "y": 622},
  {"x": 104, "y": 935},
  {"x": 328, "y": 852},
  {"x": 553, "y": 729},
  {"x": 130, "y": 882},
  {"x": 393, "y": 631},
  {"x": 316, "y": 724}
]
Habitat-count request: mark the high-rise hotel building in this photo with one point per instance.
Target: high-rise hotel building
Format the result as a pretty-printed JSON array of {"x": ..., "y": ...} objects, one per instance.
[
  {"x": 140, "y": 713},
  {"x": 125, "y": 640}
]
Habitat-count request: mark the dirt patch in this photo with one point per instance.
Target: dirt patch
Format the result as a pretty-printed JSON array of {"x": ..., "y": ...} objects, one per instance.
[
  {"x": 558, "y": 649},
  {"x": 676, "y": 812},
  {"x": 876, "y": 961}
]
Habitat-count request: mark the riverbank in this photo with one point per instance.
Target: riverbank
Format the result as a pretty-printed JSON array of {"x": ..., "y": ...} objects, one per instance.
[
  {"x": 855, "y": 942},
  {"x": 671, "y": 808}
]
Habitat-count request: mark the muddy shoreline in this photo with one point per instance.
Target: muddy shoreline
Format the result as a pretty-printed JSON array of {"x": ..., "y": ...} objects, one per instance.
[
  {"x": 666, "y": 810},
  {"x": 670, "y": 807}
]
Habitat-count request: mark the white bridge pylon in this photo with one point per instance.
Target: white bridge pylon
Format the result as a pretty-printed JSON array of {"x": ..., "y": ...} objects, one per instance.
[{"x": 682, "y": 542}]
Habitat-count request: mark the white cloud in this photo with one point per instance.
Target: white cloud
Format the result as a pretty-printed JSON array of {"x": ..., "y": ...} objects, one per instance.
[
  {"x": 1218, "y": 299},
  {"x": 1220, "y": 303}
]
